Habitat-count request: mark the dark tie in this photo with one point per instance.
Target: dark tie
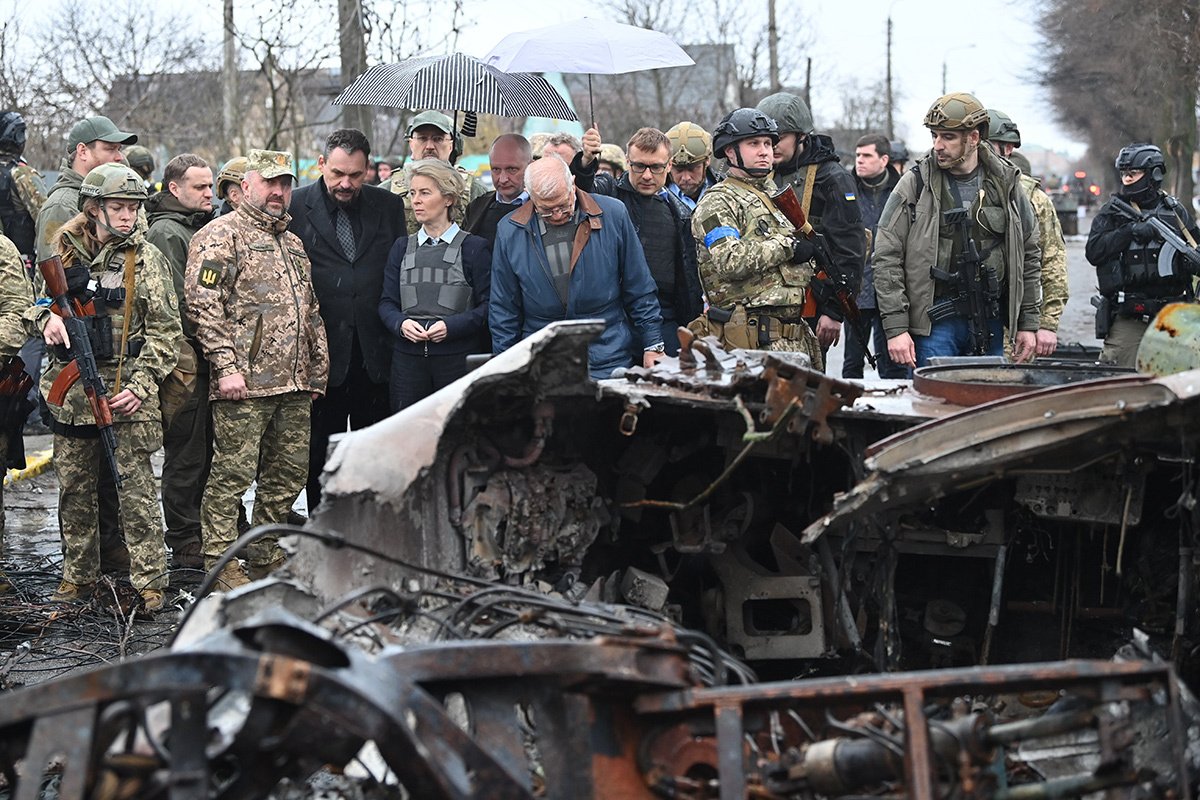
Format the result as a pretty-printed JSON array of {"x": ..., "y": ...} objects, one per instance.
[{"x": 345, "y": 233}]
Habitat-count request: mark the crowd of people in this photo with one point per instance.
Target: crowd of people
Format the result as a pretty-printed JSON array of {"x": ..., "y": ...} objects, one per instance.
[{"x": 290, "y": 315}]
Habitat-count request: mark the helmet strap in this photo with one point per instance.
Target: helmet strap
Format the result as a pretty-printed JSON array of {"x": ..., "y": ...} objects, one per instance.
[
  {"x": 753, "y": 172},
  {"x": 107, "y": 224}
]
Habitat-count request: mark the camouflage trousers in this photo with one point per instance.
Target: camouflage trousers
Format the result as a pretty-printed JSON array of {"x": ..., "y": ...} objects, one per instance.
[
  {"x": 77, "y": 463},
  {"x": 807, "y": 344},
  {"x": 263, "y": 437}
]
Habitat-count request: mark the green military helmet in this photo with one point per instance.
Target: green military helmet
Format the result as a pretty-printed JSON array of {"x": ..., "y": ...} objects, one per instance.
[
  {"x": 1001, "y": 128},
  {"x": 614, "y": 156},
  {"x": 789, "y": 111},
  {"x": 1022, "y": 163},
  {"x": 231, "y": 175},
  {"x": 957, "y": 111},
  {"x": 690, "y": 144},
  {"x": 140, "y": 159},
  {"x": 112, "y": 182}
]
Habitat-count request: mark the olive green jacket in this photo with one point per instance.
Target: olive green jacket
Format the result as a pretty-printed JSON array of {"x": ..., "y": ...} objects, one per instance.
[{"x": 906, "y": 247}]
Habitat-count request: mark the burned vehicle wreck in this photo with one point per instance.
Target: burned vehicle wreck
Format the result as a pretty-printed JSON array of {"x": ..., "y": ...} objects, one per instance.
[{"x": 534, "y": 585}]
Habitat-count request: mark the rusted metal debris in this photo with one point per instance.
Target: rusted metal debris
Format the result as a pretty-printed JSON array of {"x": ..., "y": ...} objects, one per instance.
[{"x": 625, "y": 547}]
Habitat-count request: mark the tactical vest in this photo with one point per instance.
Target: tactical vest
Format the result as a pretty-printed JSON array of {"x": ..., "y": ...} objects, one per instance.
[
  {"x": 989, "y": 224},
  {"x": 18, "y": 224},
  {"x": 1139, "y": 263},
  {"x": 660, "y": 241},
  {"x": 433, "y": 284}
]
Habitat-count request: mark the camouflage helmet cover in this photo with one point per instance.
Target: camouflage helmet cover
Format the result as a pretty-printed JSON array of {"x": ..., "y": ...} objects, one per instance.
[
  {"x": 112, "y": 182},
  {"x": 140, "y": 158},
  {"x": 614, "y": 155},
  {"x": 690, "y": 144},
  {"x": 957, "y": 111},
  {"x": 743, "y": 123},
  {"x": 1001, "y": 128},
  {"x": 231, "y": 174}
]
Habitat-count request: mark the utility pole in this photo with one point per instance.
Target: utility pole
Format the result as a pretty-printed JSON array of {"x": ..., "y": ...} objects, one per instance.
[
  {"x": 773, "y": 46},
  {"x": 352, "y": 43},
  {"x": 229, "y": 85},
  {"x": 890, "y": 129}
]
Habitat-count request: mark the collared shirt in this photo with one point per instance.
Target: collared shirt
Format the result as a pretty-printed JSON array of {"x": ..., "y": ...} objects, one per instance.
[
  {"x": 447, "y": 235},
  {"x": 519, "y": 200}
]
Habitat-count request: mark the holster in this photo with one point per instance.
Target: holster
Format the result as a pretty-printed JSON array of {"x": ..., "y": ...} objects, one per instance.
[
  {"x": 1104, "y": 315},
  {"x": 730, "y": 326}
]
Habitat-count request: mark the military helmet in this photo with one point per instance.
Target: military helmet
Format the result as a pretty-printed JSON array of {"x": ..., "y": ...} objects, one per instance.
[
  {"x": 1001, "y": 128},
  {"x": 899, "y": 152},
  {"x": 1022, "y": 163},
  {"x": 689, "y": 143},
  {"x": 613, "y": 154},
  {"x": 1143, "y": 156},
  {"x": 140, "y": 159},
  {"x": 789, "y": 111},
  {"x": 743, "y": 123},
  {"x": 112, "y": 182},
  {"x": 12, "y": 132},
  {"x": 957, "y": 111},
  {"x": 232, "y": 173}
]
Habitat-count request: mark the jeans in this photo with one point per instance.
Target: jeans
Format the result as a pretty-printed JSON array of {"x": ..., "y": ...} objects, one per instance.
[{"x": 951, "y": 337}]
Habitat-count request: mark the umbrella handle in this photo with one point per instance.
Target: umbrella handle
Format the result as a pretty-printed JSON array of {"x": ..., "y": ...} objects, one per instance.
[{"x": 591, "y": 105}]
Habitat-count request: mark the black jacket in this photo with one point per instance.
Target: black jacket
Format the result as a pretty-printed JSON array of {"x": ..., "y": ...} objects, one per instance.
[
  {"x": 1110, "y": 245},
  {"x": 484, "y": 214},
  {"x": 688, "y": 301},
  {"x": 834, "y": 211},
  {"x": 349, "y": 292},
  {"x": 871, "y": 200}
]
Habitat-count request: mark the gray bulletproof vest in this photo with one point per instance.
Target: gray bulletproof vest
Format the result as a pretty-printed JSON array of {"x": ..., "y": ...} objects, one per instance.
[{"x": 432, "y": 281}]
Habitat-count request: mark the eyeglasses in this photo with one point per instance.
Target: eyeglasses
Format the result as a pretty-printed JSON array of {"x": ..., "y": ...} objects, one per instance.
[
  {"x": 637, "y": 168},
  {"x": 1132, "y": 173},
  {"x": 438, "y": 138},
  {"x": 549, "y": 213}
]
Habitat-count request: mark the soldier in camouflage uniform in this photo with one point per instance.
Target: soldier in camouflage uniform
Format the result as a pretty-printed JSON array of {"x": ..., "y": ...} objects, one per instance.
[
  {"x": 431, "y": 134},
  {"x": 1005, "y": 137},
  {"x": 755, "y": 272},
  {"x": 250, "y": 295},
  {"x": 22, "y": 191},
  {"x": 15, "y": 298},
  {"x": 106, "y": 246}
]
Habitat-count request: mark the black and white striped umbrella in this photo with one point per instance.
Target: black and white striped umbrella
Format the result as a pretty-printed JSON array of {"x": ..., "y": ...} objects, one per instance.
[{"x": 458, "y": 82}]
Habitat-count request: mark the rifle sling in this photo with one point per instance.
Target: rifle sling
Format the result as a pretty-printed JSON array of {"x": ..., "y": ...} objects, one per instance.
[
  {"x": 130, "y": 259},
  {"x": 809, "y": 184}
]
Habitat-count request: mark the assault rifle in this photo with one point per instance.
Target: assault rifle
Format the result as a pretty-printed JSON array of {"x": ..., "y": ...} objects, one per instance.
[
  {"x": 978, "y": 287},
  {"x": 1172, "y": 242},
  {"x": 82, "y": 365},
  {"x": 829, "y": 280}
]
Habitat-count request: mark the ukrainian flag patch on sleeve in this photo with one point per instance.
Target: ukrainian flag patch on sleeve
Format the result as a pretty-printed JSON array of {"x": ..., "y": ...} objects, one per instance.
[{"x": 850, "y": 196}]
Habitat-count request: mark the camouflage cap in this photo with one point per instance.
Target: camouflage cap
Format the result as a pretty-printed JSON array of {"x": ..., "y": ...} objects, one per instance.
[
  {"x": 270, "y": 163},
  {"x": 98, "y": 129},
  {"x": 435, "y": 118},
  {"x": 690, "y": 144}
]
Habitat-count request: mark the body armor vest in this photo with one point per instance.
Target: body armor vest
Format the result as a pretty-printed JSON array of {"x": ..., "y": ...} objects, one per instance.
[
  {"x": 433, "y": 283},
  {"x": 18, "y": 224},
  {"x": 1139, "y": 263}
]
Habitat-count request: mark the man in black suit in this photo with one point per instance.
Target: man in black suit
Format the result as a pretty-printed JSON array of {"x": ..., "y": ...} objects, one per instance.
[{"x": 347, "y": 229}]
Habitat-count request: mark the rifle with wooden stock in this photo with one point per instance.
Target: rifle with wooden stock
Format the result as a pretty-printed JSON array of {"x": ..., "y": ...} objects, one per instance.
[
  {"x": 829, "y": 283},
  {"x": 82, "y": 360}
]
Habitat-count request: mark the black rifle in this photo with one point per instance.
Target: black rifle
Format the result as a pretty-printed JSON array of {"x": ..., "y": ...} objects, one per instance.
[
  {"x": 1174, "y": 242},
  {"x": 82, "y": 361},
  {"x": 978, "y": 287}
]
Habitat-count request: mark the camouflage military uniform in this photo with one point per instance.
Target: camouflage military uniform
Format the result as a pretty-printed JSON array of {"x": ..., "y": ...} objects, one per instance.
[
  {"x": 1054, "y": 254},
  {"x": 249, "y": 293},
  {"x": 154, "y": 329},
  {"x": 29, "y": 187},
  {"x": 398, "y": 184},
  {"x": 744, "y": 249},
  {"x": 15, "y": 297}
]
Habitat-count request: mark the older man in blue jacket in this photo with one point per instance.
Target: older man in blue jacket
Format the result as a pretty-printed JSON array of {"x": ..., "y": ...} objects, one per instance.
[{"x": 571, "y": 255}]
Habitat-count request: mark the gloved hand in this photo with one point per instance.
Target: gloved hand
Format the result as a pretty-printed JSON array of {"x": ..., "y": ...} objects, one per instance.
[
  {"x": 1143, "y": 232},
  {"x": 802, "y": 250}
]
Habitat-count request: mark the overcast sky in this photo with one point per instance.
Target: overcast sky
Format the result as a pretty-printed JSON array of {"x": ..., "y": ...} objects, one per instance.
[{"x": 989, "y": 47}]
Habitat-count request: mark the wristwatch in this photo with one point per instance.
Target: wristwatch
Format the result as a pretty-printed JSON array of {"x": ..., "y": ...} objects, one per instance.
[{"x": 658, "y": 348}]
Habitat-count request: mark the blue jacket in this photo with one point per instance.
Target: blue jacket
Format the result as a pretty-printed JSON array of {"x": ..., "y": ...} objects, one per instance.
[{"x": 610, "y": 281}]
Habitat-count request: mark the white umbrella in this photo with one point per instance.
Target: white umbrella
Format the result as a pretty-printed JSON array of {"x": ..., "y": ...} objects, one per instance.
[{"x": 595, "y": 47}]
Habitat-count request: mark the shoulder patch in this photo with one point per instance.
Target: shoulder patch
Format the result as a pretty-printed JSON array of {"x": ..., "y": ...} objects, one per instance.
[
  {"x": 710, "y": 223},
  {"x": 850, "y": 196},
  {"x": 210, "y": 273}
]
